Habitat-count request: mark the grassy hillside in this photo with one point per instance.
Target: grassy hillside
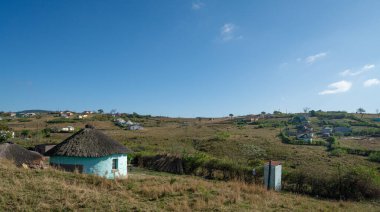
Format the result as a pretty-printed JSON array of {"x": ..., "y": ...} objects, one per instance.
[
  {"x": 233, "y": 143},
  {"x": 39, "y": 190}
]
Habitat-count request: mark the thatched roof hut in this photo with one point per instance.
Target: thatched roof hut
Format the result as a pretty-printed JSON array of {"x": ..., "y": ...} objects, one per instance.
[
  {"x": 88, "y": 142},
  {"x": 91, "y": 151},
  {"x": 19, "y": 155}
]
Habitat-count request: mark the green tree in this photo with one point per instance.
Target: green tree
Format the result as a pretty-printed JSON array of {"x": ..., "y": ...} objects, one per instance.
[
  {"x": 101, "y": 111},
  {"x": 360, "y": 111},
  {"x": 313, "y": 113}
]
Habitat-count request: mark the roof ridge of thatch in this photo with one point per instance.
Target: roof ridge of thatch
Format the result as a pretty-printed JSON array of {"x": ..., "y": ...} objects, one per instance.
[{"x": 88, "y": 142}]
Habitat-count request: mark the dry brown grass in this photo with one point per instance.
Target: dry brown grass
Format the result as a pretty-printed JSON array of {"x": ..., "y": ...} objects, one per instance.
[{"x": 41, "y": 190}]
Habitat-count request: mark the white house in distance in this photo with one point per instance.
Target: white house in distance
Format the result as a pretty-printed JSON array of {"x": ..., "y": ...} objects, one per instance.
[
  {"x": 83, "y": 116},
  {"x": 272, "y": 180},
  {"x": 67, "y": 129}
]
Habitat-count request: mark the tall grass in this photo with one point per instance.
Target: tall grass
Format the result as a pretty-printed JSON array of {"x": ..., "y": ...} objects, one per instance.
[{"x": 53, "y": 190}]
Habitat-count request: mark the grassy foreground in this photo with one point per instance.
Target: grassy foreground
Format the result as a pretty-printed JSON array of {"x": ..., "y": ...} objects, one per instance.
[{"x": 41, "y": 190}]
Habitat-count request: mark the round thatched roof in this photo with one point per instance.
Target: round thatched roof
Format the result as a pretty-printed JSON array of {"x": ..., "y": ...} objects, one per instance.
[
  {"x": 19, "y": 154},
  {"x": 88, "y": 142}
]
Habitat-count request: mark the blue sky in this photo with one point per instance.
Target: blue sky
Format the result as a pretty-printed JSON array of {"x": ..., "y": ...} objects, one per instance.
[{"x": 190, "y": 58}]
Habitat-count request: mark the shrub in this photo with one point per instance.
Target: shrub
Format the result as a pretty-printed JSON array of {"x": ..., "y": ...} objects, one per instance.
[
  {"x": 375, "y": 156},
  {"x": 222, "y": 136},
  {"x": 61, "y": 120},
  {"x": 47, "y": 132},
  {"x": 25, "y": 133},
  {"x": 319, "y": 143},
  {"x": 356, "y": 184},
  {"x": 337, "y": 152},
  {"x": 360, "y": 183},
  {"x": 284, "y": 138}
]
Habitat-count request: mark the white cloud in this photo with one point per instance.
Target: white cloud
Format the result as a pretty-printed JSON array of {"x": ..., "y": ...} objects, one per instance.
[
  {"x": 371, "y": 82},
  {"x": 313, "y": 58},
  {"x": 197, "y": 5},
  {"x": 368, "y": 67},
  {"x": 337, "y": 87},
  {"x": 228, "y": 32},
  {"x": 365, "y": 68}
]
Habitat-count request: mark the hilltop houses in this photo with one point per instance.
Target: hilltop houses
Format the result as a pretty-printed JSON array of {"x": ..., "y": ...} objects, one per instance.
[
  {"x": 27, "y": 115},
  {"x": 306, "y": 137},
  {"x": 120, "y": 122},
  {"x": 252, "y": 118},
  {"x": 82, "y": 116},
  {"x": 327, "y": 132},
  {"x": 90, "y": 151},
  {"x": 305, "y": 131},
  {"x": 342, "y": 130},
  {"x": 128, "y": 124},
  {"x": 135, "y": 127},
  {"x": 66, "y": 114},
  {"x": 67, "y": 129}
]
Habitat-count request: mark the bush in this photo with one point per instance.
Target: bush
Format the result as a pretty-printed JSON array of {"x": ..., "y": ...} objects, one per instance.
[
  {"x": 47, "y": 132},
  {"x": 61, "y": 120},
  {"x": 337, "y": 152},
  {"x": 360, "y": 183},
  {"x": 356, "y": 184},
  {"x": 375, "y": 157},
  {"x": 221, "y": 136},
  {"x": 285, "y": 138},
  {"x": 25, "y": 133},
  {"x": 319, "y": 143}
]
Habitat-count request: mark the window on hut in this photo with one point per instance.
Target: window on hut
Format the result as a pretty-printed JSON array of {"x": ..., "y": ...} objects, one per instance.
[{"x": 114, "y": 163}]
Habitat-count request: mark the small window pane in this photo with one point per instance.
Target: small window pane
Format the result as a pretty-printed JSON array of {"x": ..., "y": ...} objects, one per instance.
[{"x": 114, "y": 163}]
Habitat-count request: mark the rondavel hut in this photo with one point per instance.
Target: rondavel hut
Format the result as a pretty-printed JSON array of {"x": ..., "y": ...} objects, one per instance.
[
  {"x": 20, "y": 156},
  {"x": 92, "y": 152}
]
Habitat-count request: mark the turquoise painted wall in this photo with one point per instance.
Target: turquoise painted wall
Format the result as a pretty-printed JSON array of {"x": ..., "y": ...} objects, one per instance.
[{"x": 101, "y": 166}]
